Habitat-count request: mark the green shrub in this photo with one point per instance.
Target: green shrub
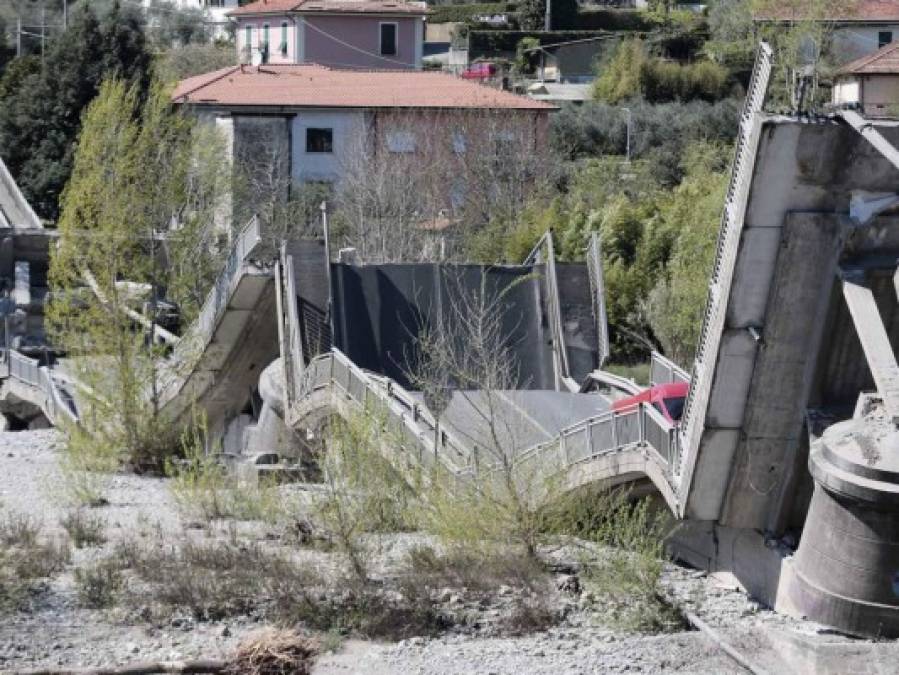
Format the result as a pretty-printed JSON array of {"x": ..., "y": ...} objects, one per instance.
[
  {"x": 205, "y": 489},
  {"x": 98, "y": 585},
  {"x": 83, "y": 528}
]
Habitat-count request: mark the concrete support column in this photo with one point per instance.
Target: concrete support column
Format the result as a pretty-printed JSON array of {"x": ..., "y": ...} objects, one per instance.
[{"x": 875, "y": 342}]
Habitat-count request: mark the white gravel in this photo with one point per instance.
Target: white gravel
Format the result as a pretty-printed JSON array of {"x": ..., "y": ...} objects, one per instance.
[{"x": 59, "y": 633}]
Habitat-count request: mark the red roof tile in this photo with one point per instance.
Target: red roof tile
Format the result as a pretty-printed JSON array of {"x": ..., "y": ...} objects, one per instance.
[
  {"x": 884, "y": 61},
  {"x": 314, "y": 86},
  {"x": 331, "y": 6},
  {"x": 849, "y": 12}
]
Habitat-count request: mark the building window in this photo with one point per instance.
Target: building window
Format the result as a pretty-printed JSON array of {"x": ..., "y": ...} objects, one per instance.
[
  {"x": 458, "y": 142},
  {"x": 248, "y": 38},
  {"x": 401, "y": 141},
  {"x": 388, "y": 39},
  {"x": 283, "y": 47},
  {"x": 884, "y": 38},
  {"x": 319, "y": 140},
  {"x": 263, "y": 46}
]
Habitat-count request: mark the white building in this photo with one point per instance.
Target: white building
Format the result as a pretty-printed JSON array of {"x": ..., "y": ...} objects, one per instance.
[
  {"x": 871, "y": 83},
  {"x": 215, "y": 11}
]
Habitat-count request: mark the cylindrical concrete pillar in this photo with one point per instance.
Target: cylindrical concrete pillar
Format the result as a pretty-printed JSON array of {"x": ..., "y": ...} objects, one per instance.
[{"x": 847, "y": 565}]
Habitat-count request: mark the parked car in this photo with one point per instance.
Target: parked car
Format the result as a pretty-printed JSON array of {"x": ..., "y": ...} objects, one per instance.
[
  {"x": 479, "y": 71},
  {"x": 668, "y": 399}
]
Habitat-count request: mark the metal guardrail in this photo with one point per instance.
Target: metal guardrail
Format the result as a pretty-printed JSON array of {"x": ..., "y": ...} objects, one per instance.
[
  {"x": 404, "y": 416},
  {"x": 665, "y": 371},
  {"x": 217, "y": 298},
  {"x": 578, "y": 443},
  {"x": 203, "y": 327},
  {"x": 57, "y": 404},
  {"x": 726, "y": 252}
]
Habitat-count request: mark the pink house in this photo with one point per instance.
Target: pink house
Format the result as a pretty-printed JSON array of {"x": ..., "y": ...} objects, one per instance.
[{"x": 382, "y": 34}]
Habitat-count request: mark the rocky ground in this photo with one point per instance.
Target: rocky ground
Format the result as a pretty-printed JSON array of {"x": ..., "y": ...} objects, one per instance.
[{"x": 56, "y": 631}]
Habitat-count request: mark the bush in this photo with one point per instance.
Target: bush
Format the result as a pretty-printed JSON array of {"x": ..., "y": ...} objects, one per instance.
[
  {"x": 663, "y": 81},
  {"x": 98, "y": 585},
  {"x": 632, "y": 72},
  {"x": 205, "y": 489},
  {"x": 84, "y": 529},
  {"x": 626, "y": 578},
  {"x": 24, "y": 558}
]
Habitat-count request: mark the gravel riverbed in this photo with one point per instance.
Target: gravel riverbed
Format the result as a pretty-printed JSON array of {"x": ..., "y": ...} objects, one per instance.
[{"x": 56, "y": 632}]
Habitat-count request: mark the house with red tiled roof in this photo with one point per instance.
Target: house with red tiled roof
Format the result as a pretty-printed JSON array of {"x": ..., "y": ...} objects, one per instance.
[
  {"x": 335, "y": 33},
  {"x": 312, "y": 122},
  {"x": 871, "y": 83},
  {"x": 859, "y": 26}
]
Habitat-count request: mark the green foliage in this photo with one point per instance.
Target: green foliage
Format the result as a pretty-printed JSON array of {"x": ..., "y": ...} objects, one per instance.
[
  {"x": 659, "y": 133},
  {"x": 654, "y": 294},
  {"x": 98, "y": 584},
  {"x": 40, "y": 116},
  {"x": 632, "y": 72},
  {"x": 526, "y": 59},
  {"x": 693, "y": 210},
  {"x": 135, "y": 176},
  {"x": 83, "y": 528},
  {"x": 363, "y": 491},
  {"x": 732, "y": 41},
  {"x": 662, "y": 81},
  {"x": 620, "y": 78},
  {"x": 205, "y": 489},
  {"x": 626, "y": 575},
  {"x": 178, "y": 63}
]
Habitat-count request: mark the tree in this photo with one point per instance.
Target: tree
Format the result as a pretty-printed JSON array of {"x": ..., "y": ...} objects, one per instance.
[
  {"x": 39, "y": 120},
  {"x": 468, "y": 356},
  {"x": 178, "y": 63},
  {"x": 693, "y": 210},
  {"x": 136, "y": 184}
]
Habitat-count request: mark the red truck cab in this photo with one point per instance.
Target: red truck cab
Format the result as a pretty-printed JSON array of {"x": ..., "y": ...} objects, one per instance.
[{"x": 668, "y": 399}]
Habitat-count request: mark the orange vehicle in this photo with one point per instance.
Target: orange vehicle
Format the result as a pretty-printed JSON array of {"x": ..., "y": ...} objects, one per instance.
[{"x": 668, "y": 399}]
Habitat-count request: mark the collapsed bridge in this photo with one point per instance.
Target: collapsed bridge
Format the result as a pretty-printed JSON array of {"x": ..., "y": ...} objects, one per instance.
[{"x": 798, "y": 341}]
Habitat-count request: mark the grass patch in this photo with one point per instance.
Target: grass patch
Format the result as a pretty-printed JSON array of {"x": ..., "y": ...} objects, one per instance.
[
  {"x": 625, "y": 576},
  {"x": 98, "y": 585},
  {"x": 204, "y": 489},
  {"x": 84, "y": 529},
  {"x": 25, "y": 559}
]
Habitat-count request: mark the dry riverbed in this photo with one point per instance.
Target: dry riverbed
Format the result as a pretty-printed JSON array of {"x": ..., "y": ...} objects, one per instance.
[{"x": 498, "y": 630}]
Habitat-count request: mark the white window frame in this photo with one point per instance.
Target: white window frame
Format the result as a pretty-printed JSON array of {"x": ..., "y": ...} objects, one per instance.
[
  {"x": 396, "y": 37},
  {"x": 459, "y": 142},
  {"x": 248, "y": 36},
  {"x": 401, "y": 142}
]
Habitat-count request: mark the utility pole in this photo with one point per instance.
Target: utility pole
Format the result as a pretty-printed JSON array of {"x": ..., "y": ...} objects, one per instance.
[
  {"x": 18, "y": 36},
  {"x": 547, "y": 20},
  {"x": 65, "y": 14}
]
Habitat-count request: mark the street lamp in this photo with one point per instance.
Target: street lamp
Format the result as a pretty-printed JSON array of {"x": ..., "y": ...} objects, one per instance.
[{"x": 629, "y": 121}]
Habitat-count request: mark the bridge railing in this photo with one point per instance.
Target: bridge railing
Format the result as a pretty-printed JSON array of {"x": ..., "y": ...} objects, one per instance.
[
  {"x": 217, "y": 298},
  {"x": 725, "y": 256},
  {"x": 416, "y": 426},
  {"x": 606, "y": 433},
  {"x": 405, "y": 416},
  {"x": 665, "y": 371},
  {"x": 57, "y": 404}
]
